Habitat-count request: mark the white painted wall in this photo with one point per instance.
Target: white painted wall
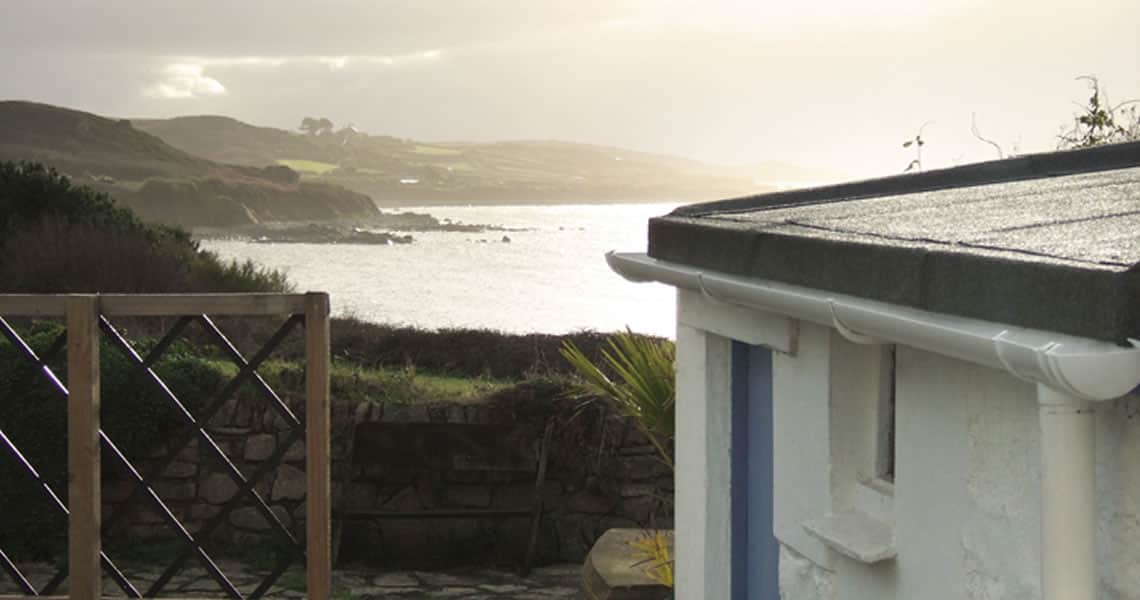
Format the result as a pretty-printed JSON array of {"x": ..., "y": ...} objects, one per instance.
[
  {"x": 966, "y": 503},
  {"x": 801, "y": 397},
  {"x": 702, "y": 512}
]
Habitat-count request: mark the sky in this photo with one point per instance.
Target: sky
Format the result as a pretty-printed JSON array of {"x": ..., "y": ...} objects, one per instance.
[{"x": 834, "y": 84}]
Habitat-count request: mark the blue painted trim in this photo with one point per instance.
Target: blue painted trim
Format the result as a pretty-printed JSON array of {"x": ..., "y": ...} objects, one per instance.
[
  {"x": 755, "y": 552},
  {"x": 739, "y": 493}
]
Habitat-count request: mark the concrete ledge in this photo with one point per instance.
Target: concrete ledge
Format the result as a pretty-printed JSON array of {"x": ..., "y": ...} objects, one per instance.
[{"x": 855, "y": 535}]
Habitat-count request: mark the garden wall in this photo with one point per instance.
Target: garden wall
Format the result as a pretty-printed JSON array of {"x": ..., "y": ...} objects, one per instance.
[{"x": 602, "y": 474}]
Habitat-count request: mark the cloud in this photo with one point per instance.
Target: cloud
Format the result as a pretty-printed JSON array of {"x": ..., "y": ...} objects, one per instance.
[
  {"x": 185, "y": 77},
  {"x": 334, "y": 63},
  {"x": 185, "y": 80}
]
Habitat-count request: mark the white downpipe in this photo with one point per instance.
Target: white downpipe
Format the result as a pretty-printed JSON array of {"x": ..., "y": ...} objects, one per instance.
[
  {"x": 1068, "y": 497},
  {"x": 1080, "y": 367}
]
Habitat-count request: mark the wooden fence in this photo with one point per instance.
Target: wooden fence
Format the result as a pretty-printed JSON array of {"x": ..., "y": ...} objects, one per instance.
[{"x": 86, "y": 316}]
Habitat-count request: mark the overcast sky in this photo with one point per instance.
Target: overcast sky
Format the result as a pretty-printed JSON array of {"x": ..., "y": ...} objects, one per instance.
[{"x": 830, "y": 83}]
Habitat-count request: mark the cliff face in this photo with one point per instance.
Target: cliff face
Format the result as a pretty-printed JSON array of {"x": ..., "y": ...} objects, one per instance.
[
  {"x": 222, "y": 202},
  {"x": 162, "y": 183}
]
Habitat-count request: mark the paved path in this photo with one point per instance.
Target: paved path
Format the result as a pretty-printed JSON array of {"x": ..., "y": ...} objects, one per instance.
[{"x": 556, "y": 581}]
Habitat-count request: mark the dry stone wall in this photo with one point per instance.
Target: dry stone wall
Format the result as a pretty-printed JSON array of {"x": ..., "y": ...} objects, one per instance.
[{"x": 602, "y": 474}]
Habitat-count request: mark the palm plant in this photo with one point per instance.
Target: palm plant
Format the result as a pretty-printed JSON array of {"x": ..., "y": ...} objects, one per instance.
[
  {"x": 643, "y": 386},
  {"x": 655, "y": 551}
]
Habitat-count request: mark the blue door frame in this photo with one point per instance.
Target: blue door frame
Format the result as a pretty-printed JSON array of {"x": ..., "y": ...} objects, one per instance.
[{"x": 755, "y": 552}]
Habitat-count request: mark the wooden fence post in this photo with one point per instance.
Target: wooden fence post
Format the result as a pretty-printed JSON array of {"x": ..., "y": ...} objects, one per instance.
[
  {"x": 85, "y": 580},
  {"x": 318, "y": 499}
]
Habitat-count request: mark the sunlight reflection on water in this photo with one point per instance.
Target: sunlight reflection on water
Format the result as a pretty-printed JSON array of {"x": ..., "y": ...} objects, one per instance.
[{"x": 550, "y": 278}]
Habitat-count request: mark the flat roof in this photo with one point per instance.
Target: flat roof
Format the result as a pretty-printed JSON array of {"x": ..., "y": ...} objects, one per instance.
[{"x": 1047, "y": 241}]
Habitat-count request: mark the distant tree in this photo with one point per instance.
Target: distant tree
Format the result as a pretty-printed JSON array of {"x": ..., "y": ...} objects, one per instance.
[
  {"x": 1101, "y": 121},
  {"x": 316, "y": 126},
  {"x": 281, "y": 173}
]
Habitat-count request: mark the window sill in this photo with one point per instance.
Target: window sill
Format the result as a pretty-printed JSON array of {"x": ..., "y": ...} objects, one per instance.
[{"x": 855, "y": 535}]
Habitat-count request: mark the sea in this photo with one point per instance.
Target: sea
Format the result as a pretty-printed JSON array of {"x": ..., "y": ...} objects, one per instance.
[{"x": 544, "y": 273}]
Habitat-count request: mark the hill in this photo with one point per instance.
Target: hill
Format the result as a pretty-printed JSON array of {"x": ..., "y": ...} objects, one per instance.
[
  {"x": 163, "y": 183},
  {"x": 401, "y": 172}
]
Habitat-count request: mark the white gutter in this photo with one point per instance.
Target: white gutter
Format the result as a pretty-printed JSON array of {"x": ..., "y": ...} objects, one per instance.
[
  {"x": 1081, "y": 367},
  {"x": 1070, "y": 372}
]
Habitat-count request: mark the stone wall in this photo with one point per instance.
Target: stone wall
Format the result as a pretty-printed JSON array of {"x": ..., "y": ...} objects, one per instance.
[{"x": 602, "y": 474}]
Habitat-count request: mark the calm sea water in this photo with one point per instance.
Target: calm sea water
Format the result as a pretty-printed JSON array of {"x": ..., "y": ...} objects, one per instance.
[{"x": 550, "y": 278}]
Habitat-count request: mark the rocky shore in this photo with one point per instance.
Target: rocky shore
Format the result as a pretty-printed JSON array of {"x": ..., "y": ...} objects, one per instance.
[{"x": 384, "y": 229}]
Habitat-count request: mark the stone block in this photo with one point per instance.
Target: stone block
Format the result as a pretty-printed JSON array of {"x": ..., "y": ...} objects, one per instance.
[
  {"x": 405, "y": 499},
  {"x": 454, "y": 476},
  {"x": 521, "y": 495},
  {"x": 296, "y": 452},
  {"x": 230, "y": 432},
  {"x": 289, "y": 484},
  {"x": 473, "y": 496},
  {"x": 273, "y": 421},
  {"x": 189, "y": 453},
  {"x": 260, "y": 447},
  {"x": 150, "y": 532},
  {"x": 180, "y": 470},
  {"x": 591, "y": 503},
  {"x": 382, "y": 475},
  {"x": 217, "y": 488},
  {"x": 428, "y": 488},
  {"x": 361, "y": 495},
  {"x": 176, "y": 490},
  {"x": 574, "y": 542},
  {"x": 199, "y": 511},
  {"x": 242, "y": 415},
  {"x": 250, "y": 519},
  {"x": 117, "y": 491},
  {"x": 642, "y": 468},
  {"x": 264, "y": 486},
  {"x": 640, "y": 509},
  {"x": 613, "y": 572},
  {"x": 146, "y": 516},
  {"x": 635, "y": 490},
  {"x": 396, "y": 413}
]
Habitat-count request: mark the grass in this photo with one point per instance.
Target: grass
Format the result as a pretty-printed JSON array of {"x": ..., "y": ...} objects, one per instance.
[
  {"x": 354, "y": 384},
  {"x": 435, "y": 150},
  {"x": 307, "y": 167}
]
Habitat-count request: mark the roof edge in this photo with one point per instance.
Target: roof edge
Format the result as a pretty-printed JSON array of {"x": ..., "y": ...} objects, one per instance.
[
  {"x": 1082, "y": 367},
  {"x": 1020, "y": 168}
]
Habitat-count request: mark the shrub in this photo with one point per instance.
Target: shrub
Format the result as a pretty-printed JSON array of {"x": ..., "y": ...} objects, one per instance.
[
  {"x": 34, "y": 416},
  {"x": 54, "y": 256},
  {"x": 468, "y": 352},
  {"x": 30, "y": 192},
  {"x": 1101, "y": 121},
  {"x": 55, "y": 237}
]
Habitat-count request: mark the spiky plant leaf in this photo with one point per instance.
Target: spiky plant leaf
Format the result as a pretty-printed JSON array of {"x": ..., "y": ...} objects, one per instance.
[{"x": 644, "y": 384}]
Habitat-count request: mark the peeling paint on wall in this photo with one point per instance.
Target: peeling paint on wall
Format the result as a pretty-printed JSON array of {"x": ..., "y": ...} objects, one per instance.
[{"x": 802, "y": 579}]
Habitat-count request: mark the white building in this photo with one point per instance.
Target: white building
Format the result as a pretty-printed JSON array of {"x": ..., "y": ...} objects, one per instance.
[{"x": 915, "y": 387}]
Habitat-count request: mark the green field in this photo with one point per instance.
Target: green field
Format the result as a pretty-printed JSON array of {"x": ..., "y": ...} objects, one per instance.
[
  {"x": 307, "y": 167},
  {"x": 435, "y": 150}
]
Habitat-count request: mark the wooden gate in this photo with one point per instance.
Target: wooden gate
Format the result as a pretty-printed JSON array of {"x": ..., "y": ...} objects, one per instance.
[{"x": 88, "y": 320}]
